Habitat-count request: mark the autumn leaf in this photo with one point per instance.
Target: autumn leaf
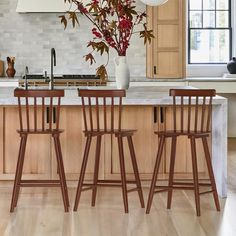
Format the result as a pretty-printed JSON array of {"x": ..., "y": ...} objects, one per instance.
[
  {"x": 73, "y": 17},
  {"x": 99, "y": 46},
  {"x": 129, "y": 11},
  {"x": 89, "y": 57},
  {"x": 63, "y": 21},
  {"x": 102, "y": 72},
  {"x": 146, "y": 34}
]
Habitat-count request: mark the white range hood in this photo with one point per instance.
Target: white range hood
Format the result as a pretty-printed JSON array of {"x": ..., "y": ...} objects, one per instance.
[{"x": 42, "y": 6}]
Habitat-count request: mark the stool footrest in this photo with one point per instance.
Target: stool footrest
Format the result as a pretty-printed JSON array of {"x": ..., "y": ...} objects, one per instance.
[
  {"x": 210, "y": 191},
  {"x": 109, "y": 183},
  {"x": 189, "y": 183},
  {"x": 175, "y": 187},
  {"x": 39, "y": 183},
  {"x": 161, "y": 190},
  {"x": 132, "y": 190},
  {"x": 117, "y": 181}
]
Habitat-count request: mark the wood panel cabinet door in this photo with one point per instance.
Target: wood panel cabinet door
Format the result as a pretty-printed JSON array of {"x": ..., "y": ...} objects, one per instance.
[
  {"x": 166, "y": 53},
  {"x": 37, "y": 164},
  {"x": 73, "y": 145},
  {"x": 145, "y": 120},
  {"x": 183, "y": 164}
]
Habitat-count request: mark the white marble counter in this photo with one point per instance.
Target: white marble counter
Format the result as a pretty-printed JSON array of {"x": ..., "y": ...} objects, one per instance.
[
  {"x": 159, "y": 96},
  {"x": 137, "y": 95}
]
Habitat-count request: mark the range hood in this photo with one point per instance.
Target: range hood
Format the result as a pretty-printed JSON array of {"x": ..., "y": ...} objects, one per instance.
[{"x": 24, "y": 6}]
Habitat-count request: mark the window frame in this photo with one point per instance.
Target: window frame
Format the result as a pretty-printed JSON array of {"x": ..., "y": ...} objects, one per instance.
[{"x": 230, "y": 11}]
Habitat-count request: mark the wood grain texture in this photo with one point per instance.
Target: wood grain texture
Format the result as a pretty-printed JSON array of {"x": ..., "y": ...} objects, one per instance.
[{"x": 167, "y": 51}]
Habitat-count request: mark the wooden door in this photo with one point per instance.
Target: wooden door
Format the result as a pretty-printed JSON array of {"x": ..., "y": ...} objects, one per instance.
[
  {"x": 166, "y": 53},
  {"x": 145, "y": 120},
  {"x": 37, "y": 157}
]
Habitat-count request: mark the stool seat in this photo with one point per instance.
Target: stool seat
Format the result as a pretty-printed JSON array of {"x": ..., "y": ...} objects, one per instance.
[
  {"x": 171, "y": 133},
  {"x": 116, "y": 132},
  {"x": 40, "y": 131}
]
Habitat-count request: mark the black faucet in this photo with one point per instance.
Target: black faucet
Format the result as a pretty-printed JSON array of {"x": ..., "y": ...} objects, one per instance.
[
  {"x": 26, "y": 79},
  {"x": 53, "y": 63}
]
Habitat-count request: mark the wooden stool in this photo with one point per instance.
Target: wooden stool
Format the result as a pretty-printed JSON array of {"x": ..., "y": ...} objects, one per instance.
[
  {"x": 29, "y": 124},
  {"x": 199, "y": 103},
  {"x": 99, "y": 119}
]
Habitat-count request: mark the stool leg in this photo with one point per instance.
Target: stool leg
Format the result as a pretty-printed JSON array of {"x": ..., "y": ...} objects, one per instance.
[
  {"x": 82, "y": 173},
  {"x": 17, "y": 175},
  {"x": 155, "y": 173},
  {"x": 136, "y": 172},
  {"x": 20, "y": 168},
  {"x": 122, "y": 171},
  {"x": 171, "y": 171},
  {"x": 96, "y": 169},
  {"x": 211, "y": 173},
  {"x": 195, "y": 175},
  {"x": 61, "y": 173}
]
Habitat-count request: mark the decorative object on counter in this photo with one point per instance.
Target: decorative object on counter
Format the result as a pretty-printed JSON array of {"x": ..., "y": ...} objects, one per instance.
[
  {"x": 231, "y": 66},
  {"x": 10, "y": 70},
  {"x": 1, "y": 68},
  {"x": 114, "y": 22},
  {"x": 122, "y": 73},
  {"x": 154, "y": 2}
]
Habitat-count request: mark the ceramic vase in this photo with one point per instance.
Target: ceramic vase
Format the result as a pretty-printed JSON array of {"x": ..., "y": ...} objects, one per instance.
[
  {"x": 10, "y": 70},
  {"x": 231, "y": 66},
  {"x": 122, "y": 73}
]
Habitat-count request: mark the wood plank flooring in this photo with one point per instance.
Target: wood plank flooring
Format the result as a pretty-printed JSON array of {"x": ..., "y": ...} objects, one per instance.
[{"x": 40, "y": 213}]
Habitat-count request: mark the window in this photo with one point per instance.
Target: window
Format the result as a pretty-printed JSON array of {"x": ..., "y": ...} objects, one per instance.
[{"x": 209, "y": 31}]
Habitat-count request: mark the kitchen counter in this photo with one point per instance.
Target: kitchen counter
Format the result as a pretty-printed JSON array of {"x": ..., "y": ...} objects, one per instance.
[
  {"x": 149, "y": 95},
  {"x": 149, "y": 80},
  {"x": 135, "y": 95}
]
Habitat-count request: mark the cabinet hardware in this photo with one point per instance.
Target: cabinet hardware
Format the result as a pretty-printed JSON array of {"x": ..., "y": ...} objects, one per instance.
[
  {"x": 155, "y": 114},
  {"x": 155, "y": 70},
  {"x": 53, "y": 114},
  {"x": 162, "y": 114},
  {"x": 47, "y": 114}
]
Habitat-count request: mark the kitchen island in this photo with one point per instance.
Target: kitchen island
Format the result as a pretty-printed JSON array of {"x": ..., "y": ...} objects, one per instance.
[{"x": 145, "y": 108}]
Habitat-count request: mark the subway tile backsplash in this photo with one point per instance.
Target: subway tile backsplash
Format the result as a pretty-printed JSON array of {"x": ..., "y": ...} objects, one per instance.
[{"x": 30, "y": 36}]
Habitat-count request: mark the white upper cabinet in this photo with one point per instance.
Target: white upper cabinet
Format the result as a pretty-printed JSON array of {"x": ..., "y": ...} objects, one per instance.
[{"x": 42, "y": 6}]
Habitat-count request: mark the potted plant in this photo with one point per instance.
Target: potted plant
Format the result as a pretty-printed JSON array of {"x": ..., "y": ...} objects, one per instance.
[{"x": 113, "y": 24}]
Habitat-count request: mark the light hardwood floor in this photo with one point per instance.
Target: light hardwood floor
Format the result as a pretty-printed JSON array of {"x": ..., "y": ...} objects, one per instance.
[{"x": 40, "y": 213}]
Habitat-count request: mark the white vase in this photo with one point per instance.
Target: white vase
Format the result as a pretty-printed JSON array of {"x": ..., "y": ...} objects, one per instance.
[{"x": 122, "y": 73}]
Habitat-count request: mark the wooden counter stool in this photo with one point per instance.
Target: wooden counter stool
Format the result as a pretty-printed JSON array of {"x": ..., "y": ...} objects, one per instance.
[
  {"x": 196, "y": 124},
  {"x": 100, "y": 116},
  {"x": 33, "y": 121}
]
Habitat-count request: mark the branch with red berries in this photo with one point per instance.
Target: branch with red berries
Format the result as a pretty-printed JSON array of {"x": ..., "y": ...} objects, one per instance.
[{"x": 113, "y": 23}]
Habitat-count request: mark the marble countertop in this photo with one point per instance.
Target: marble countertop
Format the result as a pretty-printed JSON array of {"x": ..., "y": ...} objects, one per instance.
[
  {"x": 145, "y": 79},
  {"x": 135, "y": 95}
]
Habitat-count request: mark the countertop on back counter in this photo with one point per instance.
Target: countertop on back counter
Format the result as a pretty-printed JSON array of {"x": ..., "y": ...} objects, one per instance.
[{"x": 145, "y": 79}]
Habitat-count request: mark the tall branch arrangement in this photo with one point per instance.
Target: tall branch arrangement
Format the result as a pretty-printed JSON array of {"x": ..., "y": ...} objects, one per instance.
[{"x": 113, "y": 24}]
